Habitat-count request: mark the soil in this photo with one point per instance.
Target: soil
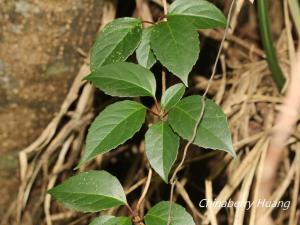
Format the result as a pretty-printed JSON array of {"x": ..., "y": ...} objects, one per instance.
[{"x": 39, "y": 57}]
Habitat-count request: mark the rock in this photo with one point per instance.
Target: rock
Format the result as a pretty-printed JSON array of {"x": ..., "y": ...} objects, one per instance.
[{"x": 38, "y": 63}]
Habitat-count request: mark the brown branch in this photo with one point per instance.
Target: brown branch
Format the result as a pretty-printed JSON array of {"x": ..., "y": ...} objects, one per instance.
[
  {"x": 142, "y": 198},
  {"x": 165, "y": 5},
  {"x": 163, "y": 81},
  {"x": 154, "y": 113},
  {"x": 149, "y": 22},
  {"x": 163, "y": 75}
]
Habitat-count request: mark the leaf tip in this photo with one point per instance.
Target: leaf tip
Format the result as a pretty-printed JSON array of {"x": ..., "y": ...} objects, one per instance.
[
  {"x": 77, "y": 167},
  {"x": 233, "y": 154},
  {"x": 81, "y": 162},
  {"x": 165, "y": 179},
  {"x": 185, "y": 81},
  {"x": 88, "y": 77},
  {"x": 50, "y": 191},
  {"x": 230, "y": 150}
]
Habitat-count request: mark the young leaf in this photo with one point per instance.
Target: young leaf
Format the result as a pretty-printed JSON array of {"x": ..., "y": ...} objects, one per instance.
[
  {"x": 144, "y": 54},
  {"x": 107, "y": 220},
  {"x": 124, "y": 80},
  {"x": 112, "y": 127},
  {"x": 172, "y": 96},
  {"x": 116, "y": 42},
  {"x": 213, "y": 131},
  {"x": 176, "y": 45},
  {"x": 158, "y": 215},
  {"x": 201, "y": 13},
  {"x": 161, "y": 145},
  {"x": 91, "y": 191}
]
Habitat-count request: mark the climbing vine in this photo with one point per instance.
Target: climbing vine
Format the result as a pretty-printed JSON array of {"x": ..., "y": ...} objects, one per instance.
[{"x": 173, "y": 41}]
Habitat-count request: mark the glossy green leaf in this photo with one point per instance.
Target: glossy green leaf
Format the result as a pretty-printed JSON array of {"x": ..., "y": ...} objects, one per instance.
[
  {"x": 112, "y": 127},
  {"x": 91, "y": 191},
  {"x": 108, "y": 220},
  {"x": 144, "y": 53},
  {"x": 116, "y": 42},
  {"x": 172, "y": 96},
  {"x": 176, "y": 45},
  {"x": 158, "y": 215},
  {"x": 201, "y": 13},
  {"x": 161, "y": 145},
  {"x": 213, "y": 131},
  {"x": 124, "y": 80}
]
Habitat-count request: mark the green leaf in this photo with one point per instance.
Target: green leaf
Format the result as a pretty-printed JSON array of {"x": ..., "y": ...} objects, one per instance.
[
  {"x": 124, "y": 80},
  {"x": 213, "y": 131},
  {"x": 144, "y": 54},
  {"x": 176, "y": 45},
  {"x": 161, "y": 145},
  {"x": 116, "y": 42},
  {"x": 158, "y": 215},
  {"x": 201, "y": 13},
  {"x": 91, "y": 191},
  {"x": 108, "y": 220},
  {"x": 101, "y": 220},
  {"x": 172, "y": 96},
  {"x": 112, "y": 127}
]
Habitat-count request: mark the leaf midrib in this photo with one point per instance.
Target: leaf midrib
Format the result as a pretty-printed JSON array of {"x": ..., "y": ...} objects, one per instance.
[
  {"x": 166, "y": 103},
  {"x": 163, "y": 146},
  {"x": 124, "y": 119},
  {"x": 202, "y": 125},
  {"x": 173, "y": 37},
  {"x": 195, "y": 16},
  {"x": 131, "y": 28},
  {"x": 90, "y": 194},
  {"x": 126, "y": 81},
  {"x": 123, "y": 37}
]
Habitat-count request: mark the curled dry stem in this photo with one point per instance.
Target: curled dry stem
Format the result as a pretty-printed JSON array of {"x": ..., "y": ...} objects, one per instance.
[{"x": 145, "y": 191}]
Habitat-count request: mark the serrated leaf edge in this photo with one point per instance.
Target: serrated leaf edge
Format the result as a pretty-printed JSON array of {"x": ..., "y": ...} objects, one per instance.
[
  {"x": 86, "y": 159},
  {"x": 150, "y": 94},
  {"x": 231, "y": 151},
  {"x": 138, "y": 25}
]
